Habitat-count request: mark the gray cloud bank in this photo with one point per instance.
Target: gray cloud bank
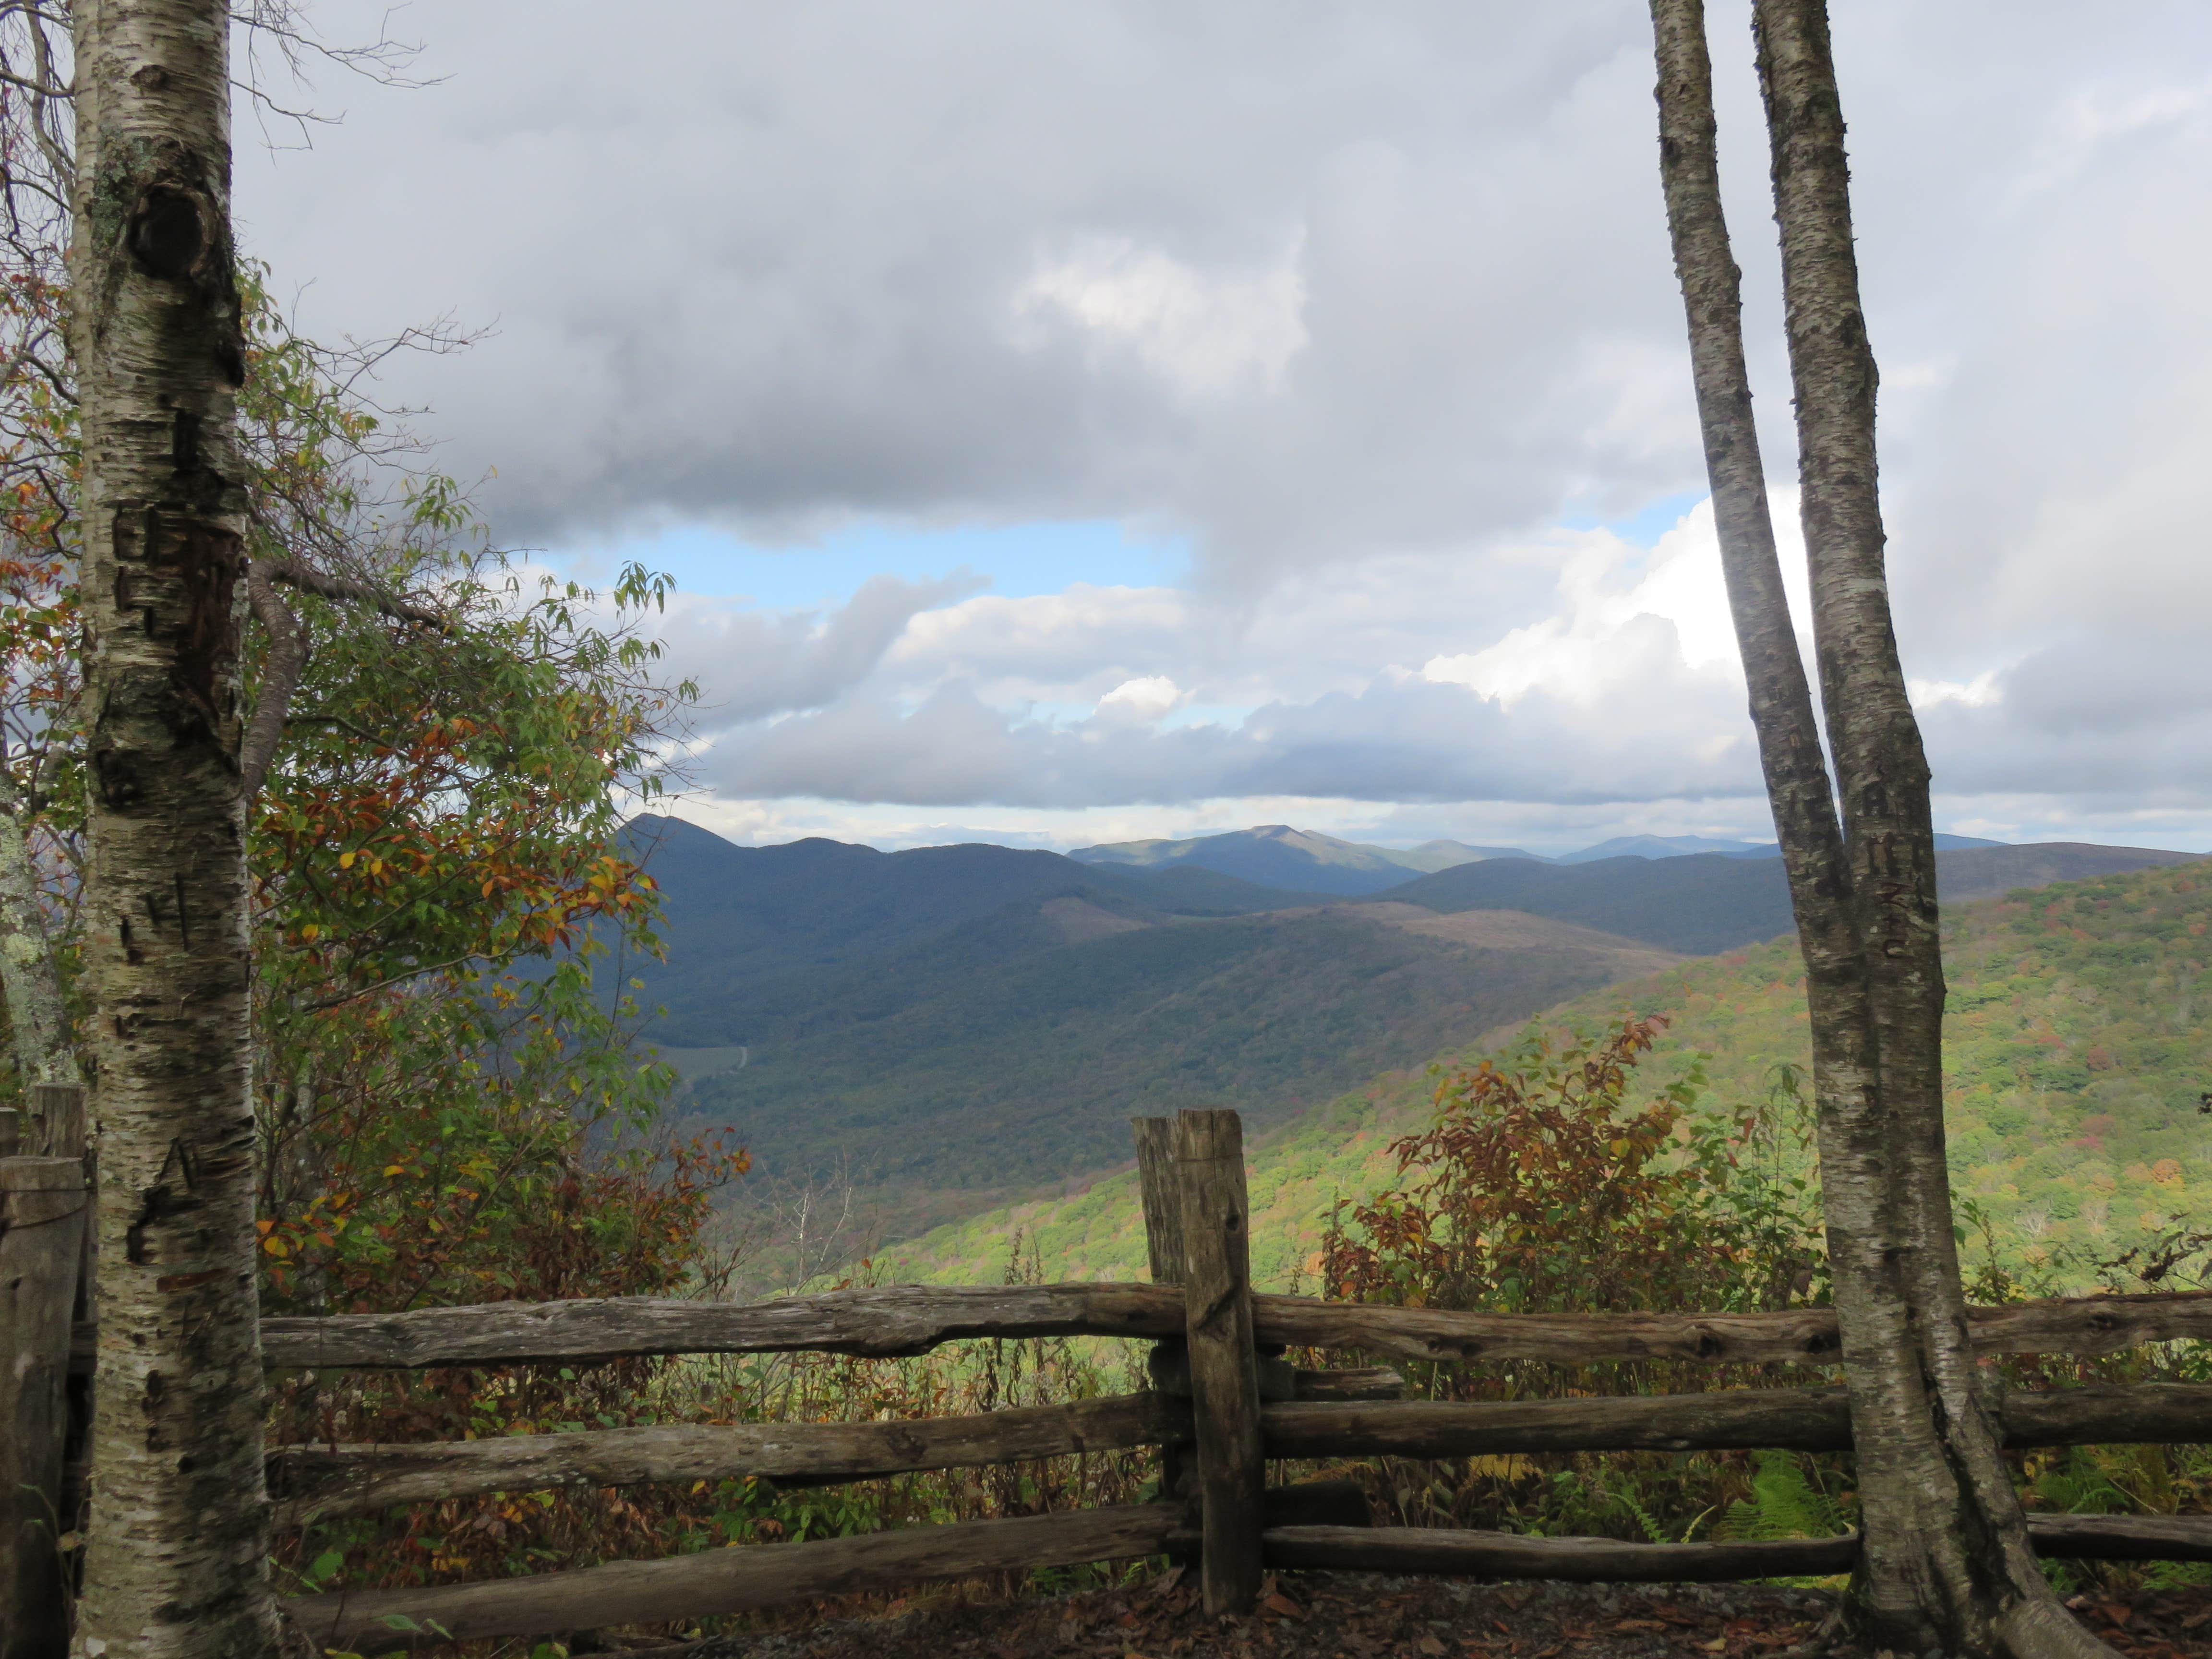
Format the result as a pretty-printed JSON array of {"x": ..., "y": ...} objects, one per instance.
[
  {"x": 1309, "y": 281},
  {"x": 1626, "y": 698},
  {"x": 1326, "y": 288},
  {"x": 1408, "y": 742}
]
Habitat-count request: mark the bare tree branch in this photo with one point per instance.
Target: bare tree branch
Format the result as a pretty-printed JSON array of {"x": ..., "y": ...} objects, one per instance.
[
  {"x": 343, "y": 725},
  {"x": 292, "y": 573},
  {"x": 281, "y": 25}
]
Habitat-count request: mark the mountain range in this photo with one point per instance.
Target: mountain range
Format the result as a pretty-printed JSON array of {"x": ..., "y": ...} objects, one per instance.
[
  {"x": 1276, "y": 855},
  {"x": 952, "y": 1026}
]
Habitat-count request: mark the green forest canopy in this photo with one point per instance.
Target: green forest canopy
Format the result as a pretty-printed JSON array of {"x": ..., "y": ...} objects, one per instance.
[{"x": 2078, "y": 1049}]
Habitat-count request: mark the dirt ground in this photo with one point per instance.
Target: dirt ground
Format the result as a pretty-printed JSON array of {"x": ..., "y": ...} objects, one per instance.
[{"x": 1359, "y": 1616}]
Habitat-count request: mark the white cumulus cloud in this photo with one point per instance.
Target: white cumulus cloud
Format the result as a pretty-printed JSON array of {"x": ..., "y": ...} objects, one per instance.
[
  {"x": 1206, "y": 334},
  {"x": 1621, "y": 618},
  {"x": 1151, "y": 698}
]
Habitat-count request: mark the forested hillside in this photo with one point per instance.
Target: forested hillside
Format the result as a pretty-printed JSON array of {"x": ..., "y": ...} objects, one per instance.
[
  {"x": 1006, "y": 1053},
  {"x": 738, "y": 918},
  {"x": 1709, "y": 902},
  {"x": 2079, "y": 1048}
]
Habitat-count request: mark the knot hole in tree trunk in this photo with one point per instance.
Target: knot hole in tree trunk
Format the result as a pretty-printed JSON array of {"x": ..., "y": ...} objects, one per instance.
[{"x": 167, "y": 236}]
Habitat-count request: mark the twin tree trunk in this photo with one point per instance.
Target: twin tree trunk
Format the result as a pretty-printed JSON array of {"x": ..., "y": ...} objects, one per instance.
[
  {"x": 177, "y": 1548},
  {"x": 1947, "y": 1562}
]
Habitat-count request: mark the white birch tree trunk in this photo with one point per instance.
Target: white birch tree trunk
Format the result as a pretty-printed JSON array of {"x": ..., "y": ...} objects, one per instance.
[
  {"x": 1946, "y": 1564},
  {"x": 177, "y": 1548},
  {"x": 1955, "y": 1559}
]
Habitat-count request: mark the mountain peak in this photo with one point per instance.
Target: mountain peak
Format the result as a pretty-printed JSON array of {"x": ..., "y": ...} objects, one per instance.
[{"x": 1302, "y": 860}]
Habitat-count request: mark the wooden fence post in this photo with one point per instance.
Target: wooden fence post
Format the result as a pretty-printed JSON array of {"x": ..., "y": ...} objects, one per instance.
[
  {"x": 1160, "y": 1188},
  {"x": 61, "y": 1108},
  {"x": 44, "y": 1214},
  {"x": 1162, "y": 1191},
  {"x": 57, "y": 1120},
  {"x": 1224, "y": 1368}
]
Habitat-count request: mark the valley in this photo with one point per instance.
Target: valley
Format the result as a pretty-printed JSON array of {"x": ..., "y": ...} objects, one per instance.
[{"x": 1007, "y": 1054}]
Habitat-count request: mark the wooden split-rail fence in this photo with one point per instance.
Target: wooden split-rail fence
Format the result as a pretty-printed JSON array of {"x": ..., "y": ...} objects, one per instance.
[{"x": 1224, "y": 1405}]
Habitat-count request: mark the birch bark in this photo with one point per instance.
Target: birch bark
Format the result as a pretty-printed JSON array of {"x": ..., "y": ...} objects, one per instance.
[
  {"x": 177, "y": 1547},
  {"x": 1945, "y": 1562}
]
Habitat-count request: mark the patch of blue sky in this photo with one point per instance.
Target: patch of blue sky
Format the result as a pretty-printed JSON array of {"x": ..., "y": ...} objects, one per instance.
[
  {"x": 1644, "y": 527},
  {"x": 1020, "y": 560}
]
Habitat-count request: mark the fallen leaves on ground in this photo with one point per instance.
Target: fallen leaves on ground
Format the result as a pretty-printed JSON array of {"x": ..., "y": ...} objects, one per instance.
[
  {"x": 2153, "y": 1624},
  {"x": 1330, "y": 1615}
]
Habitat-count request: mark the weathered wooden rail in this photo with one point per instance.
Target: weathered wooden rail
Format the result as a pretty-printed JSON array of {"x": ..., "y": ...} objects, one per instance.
[
  {"x": 734, "y": 1580},
  {"x": 1223, "y": 1405},
  {"x": 319, "y": 1482},
  {"x": 1602, "y": 1560},
  {"x": 896, "y": 1321}
]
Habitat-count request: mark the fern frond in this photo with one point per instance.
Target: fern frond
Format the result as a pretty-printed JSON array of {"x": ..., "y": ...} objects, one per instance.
[{"x": 1783, "y": 1503}]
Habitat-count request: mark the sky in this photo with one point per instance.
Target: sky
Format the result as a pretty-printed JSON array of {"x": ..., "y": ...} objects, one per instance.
[{"x": 1087, "y": 421}]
